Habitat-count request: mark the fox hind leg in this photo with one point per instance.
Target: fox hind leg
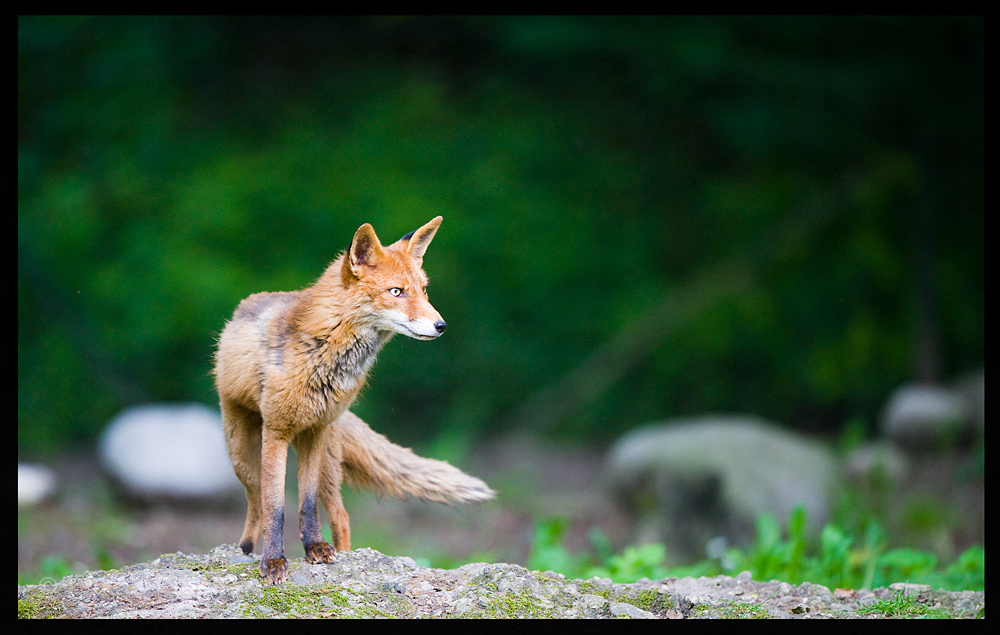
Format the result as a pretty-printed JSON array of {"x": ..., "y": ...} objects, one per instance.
[
  {"x": 340, "y": 522},
  {"x": 242, "y": 429},
  {"x": 329, "y": 489}
]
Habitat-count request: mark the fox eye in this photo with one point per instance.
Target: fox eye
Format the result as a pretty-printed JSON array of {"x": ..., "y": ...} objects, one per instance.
[{"x": 395, "y": 292}]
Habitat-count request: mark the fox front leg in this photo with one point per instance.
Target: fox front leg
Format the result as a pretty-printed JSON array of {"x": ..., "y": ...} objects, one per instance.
[
  {"x": 311, "y": 447},
  {"x": 274, "y": 456}
]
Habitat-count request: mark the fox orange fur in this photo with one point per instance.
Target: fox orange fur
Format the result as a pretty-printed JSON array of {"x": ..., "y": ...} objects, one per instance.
[{"x": 288, "y": 367}]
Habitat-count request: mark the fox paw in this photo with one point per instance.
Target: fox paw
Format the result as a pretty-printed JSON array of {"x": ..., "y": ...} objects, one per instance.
[
  {"x": 320, "y": 553},
  {"x": 274, "y": 570}
]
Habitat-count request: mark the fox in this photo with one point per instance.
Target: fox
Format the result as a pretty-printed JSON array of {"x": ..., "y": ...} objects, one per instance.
[{"x": 288, "y": 366}]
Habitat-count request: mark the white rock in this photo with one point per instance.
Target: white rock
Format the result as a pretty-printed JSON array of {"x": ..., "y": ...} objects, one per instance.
[
  {"x": 35, "y": 483},
  {"x": 175, "y": 450}
]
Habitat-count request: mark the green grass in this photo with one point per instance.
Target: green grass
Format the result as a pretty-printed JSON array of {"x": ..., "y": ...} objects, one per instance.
[
  {"x": 902, "y": 605},
  {"x": 835, "y": 560}
]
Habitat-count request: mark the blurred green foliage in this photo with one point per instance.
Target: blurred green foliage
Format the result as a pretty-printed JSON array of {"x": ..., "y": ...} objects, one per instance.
[
  {"x": 589, "y": 170},
  {"x": 836, "y": 560}
]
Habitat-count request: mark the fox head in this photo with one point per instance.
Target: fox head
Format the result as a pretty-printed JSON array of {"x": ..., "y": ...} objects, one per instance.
[{"x": 393, "y": 281}]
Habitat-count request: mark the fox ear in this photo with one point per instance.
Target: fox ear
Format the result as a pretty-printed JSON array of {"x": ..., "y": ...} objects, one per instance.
[
  {"x": 418, "y": 240},
  {"x": 365, "y": 251}
]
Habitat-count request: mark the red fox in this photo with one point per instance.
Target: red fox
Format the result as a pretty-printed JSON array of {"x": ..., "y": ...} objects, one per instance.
[{"x": 287, "y": 368}]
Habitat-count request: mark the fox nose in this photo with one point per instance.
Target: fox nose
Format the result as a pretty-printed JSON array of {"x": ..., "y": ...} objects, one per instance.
[{"x": 440, "y": 326}]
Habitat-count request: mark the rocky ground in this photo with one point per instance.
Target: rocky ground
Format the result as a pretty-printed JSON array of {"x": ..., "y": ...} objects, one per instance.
[
  {"x": 87, "y": 527},
  {"x": 366, "y": 584}
]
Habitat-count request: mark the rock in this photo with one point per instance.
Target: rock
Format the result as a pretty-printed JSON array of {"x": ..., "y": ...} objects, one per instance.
[
  {"x": 365, "y": 583},
  {"x": 685, "y": 482},
  {"x": 626, "y": 610},
  {"x": 911, "y": 590},
  {"x": 166, "y": 450},
  {"x": 878, "y": 459},
  {"x": 922, "y": 417},
  {"x": 972, "y": 390},
  {"x": 35, "y": 483}
]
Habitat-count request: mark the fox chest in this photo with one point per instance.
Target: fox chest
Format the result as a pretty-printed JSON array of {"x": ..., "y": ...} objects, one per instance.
[
  {"x": 338, "y": 375},
  {"x": 314, "y": 383}
]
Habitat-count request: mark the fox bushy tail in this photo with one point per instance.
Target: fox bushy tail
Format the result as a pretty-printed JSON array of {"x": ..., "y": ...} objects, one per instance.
[{"x": 372, "y": 462}]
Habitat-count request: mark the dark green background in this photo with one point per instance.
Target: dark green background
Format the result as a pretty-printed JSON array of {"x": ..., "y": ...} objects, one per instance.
[{"x": 643, "y": 217}]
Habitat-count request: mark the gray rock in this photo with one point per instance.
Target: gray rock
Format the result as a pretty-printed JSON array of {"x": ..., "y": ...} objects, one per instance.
[
  {"x": 972, "y": 390},
  {"x": 626, "y": 610},
  {"x": 878, "y": 458},
  {"x": 919, "y": 417},
  {"x": 685, "y": 482},
  {"x": 166, "y": 450}
]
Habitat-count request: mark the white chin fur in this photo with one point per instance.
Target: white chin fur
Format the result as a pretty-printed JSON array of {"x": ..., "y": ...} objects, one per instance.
[{"x": 417, "y": 330}]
